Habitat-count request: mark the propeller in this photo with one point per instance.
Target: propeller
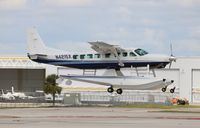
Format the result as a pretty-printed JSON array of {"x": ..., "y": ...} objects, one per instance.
[{"x": 172, "y": 57}]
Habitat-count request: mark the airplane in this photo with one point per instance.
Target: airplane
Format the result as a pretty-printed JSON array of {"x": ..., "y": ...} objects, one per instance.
[
  {"x": 18, "y": 94},
  {"x": 7, "y": 96},
  {"x": 106, "y": 56}
]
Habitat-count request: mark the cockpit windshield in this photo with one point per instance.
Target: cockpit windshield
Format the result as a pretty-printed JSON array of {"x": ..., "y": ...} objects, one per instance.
[{"x": 141, "y": 52}]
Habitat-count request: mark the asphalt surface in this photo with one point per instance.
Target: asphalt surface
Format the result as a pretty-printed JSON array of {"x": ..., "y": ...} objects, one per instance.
[{"x": 100, "y": 117}]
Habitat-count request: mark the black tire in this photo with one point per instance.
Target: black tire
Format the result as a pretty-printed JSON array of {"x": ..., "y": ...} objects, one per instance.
[
  {"x": 172, "y": 90},
  {"x": 119, "y": 91},
  {"x": 110, "y": 90},
  {"x": 164, "y": 89},
  {"x": 178, "y": 102}
]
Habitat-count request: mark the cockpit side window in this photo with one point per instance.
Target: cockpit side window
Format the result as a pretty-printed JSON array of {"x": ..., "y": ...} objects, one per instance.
[
  {"x": 132, "y": 54},
  {"x": 141, "y": 52}
]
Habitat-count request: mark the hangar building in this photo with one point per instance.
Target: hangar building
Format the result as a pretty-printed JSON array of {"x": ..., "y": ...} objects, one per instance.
[
  {"x": 21, "y": 73},
  {"x": 186, "y": 72}
]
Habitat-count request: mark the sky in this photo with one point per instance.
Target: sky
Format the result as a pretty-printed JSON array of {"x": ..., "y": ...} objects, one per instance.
[{"x": 70, "y": 24}]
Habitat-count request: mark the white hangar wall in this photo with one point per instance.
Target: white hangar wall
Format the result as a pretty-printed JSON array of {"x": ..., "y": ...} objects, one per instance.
[{"x": 189, "y": 77}]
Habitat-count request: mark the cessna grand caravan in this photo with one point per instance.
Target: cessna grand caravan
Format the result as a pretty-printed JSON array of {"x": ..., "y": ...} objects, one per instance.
[{"x": 106, "y": 56}]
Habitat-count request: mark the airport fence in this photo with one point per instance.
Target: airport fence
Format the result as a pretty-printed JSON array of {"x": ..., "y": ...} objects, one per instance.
[
  {"x": 25, "y": 105},
  {"x": 132, "y": 97},
  {"x": 93, "y": 98}
]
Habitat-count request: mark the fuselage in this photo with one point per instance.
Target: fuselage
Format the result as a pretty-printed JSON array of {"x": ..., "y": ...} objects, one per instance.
[{"x": 130, "y": 58}]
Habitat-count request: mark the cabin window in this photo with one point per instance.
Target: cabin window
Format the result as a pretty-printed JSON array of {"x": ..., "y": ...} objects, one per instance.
[
  {"x": 107, "y": 55},
  {"x": 82, "y": 56},
  {"x": 132, "y": 54},
  {"x": 90, "y": 56},
  {"x": 75, "y": 56},
  {"x": 124, "y": 54},
  {"x": 97, "y": 55},
  {"x": 141, "y": 52},
  {"x": 118, "y": 53}
]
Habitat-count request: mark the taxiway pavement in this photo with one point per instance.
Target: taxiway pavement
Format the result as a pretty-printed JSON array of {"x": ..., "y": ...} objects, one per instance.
[{"x": 96, "y": 117}]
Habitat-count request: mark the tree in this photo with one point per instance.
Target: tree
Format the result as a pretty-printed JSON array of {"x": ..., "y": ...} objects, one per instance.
[{"x": 51, "y": 87}]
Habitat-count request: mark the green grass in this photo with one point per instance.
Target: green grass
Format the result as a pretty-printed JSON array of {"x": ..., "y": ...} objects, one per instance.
[
  {"x": 158, "y": 106},
  {"x": 178, "y": 111}
]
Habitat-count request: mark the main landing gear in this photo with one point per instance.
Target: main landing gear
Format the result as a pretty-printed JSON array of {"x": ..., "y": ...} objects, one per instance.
[
  {"x": 171, "y": 90},
  {"x": 111, "y": 90}
]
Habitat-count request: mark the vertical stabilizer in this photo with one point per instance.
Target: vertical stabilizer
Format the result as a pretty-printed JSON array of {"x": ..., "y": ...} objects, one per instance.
[
  {"x": 12, "y": 90},
  {"x": 35, "y": 43},
  {"x": 2, "y": 92}
]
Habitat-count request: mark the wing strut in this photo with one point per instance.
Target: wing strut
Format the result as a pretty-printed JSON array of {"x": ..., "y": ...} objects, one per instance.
[{"x": 114, "y": 51}]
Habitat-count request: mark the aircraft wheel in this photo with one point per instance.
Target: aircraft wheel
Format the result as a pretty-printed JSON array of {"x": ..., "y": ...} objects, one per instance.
[
  {"x": 119, "y": 91},
  {"x": 110, "y": 89},
  {"x": 164, "y": 89},
  {"x": 172, "y": 90}
]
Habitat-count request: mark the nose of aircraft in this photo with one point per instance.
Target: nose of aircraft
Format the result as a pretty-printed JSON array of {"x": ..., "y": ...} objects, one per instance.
[{"x": 172, "y": 58}]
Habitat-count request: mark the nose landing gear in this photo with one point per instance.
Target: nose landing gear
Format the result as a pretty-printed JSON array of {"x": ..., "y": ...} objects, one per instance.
[
  {"x": 172, "y": 90},
  {"x": 164, "y": 89}
]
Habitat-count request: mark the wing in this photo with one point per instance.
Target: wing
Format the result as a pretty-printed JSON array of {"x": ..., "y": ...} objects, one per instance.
[{"x": 103, "y": 48}]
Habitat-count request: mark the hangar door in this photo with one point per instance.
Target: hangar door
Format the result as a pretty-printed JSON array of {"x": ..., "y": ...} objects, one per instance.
[
  {"x": 196, "y": 85},
  {"x": 26, "y": 80}
]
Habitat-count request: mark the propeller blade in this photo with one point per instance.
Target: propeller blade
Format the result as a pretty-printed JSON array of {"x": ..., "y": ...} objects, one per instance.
[
  {"x": 170, "y": 64},
  {"x": 172, "y": 58},
  {"x": 171, "y": 49}
]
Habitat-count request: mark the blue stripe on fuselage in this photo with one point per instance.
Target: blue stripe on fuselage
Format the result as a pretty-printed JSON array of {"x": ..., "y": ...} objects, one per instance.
[{"x": 99, "y": 64}]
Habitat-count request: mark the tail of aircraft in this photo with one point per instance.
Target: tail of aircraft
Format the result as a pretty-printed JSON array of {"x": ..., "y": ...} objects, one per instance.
[
  {"x": 12, "y": 90},
  {"x": 2, "y": 92},
  {"x": 35, "y": 43},
  {"x": 37, "y": 46}
]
